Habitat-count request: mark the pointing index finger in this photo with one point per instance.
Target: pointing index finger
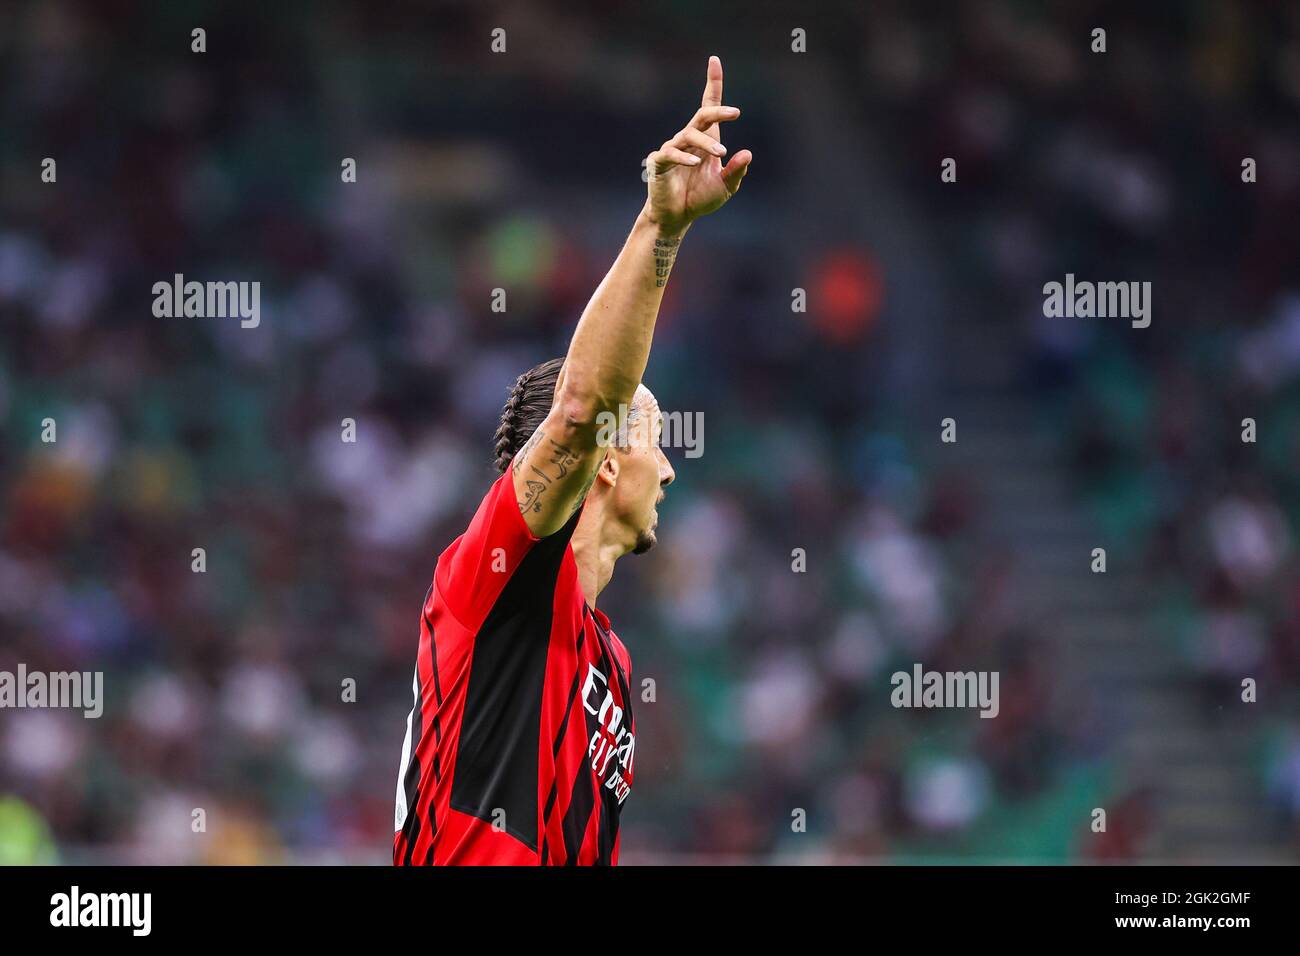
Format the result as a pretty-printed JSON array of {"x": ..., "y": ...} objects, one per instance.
[{"x": 713, "y": 85}]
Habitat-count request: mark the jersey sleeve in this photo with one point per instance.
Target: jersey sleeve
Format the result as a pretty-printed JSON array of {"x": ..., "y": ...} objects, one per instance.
[
  {"x": 498, "y": 543},
  {"x": 475, "y": 569}
]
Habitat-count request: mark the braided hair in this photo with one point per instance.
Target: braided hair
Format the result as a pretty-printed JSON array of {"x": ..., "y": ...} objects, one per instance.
[{"x": 526, "y": 408}]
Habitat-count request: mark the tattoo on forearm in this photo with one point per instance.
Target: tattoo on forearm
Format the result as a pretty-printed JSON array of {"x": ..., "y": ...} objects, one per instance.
[
  {"x": 665, "y": 254},
  {"x": 556, "y": 464}
]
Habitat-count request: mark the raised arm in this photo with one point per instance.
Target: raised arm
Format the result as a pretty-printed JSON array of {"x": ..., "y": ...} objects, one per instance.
[{"x": 611, "y": 345}]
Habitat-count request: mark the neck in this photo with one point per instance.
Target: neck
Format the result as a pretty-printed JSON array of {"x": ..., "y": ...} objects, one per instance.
[{"x": 595, "y": 549}]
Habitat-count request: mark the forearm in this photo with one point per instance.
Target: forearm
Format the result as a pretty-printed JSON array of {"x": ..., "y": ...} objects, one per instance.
[{"x": 611, "y": 345}]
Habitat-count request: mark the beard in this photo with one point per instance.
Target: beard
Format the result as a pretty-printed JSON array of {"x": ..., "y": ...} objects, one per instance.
[{"x": 645, "y": 541}]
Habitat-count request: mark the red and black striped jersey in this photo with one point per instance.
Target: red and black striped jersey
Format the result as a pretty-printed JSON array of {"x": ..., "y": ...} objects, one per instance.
[{"x": 520, "y": 744}]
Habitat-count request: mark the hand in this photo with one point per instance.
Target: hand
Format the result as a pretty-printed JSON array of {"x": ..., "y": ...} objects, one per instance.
[{"x": 686, "y": 176}]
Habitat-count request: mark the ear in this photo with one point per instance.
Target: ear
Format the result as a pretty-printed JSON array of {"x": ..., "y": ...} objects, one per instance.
[{"x": 608, "y": 470}]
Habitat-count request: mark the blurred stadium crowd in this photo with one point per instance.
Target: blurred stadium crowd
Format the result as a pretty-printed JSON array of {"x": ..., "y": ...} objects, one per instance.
[{"x": 519, "y": 171}]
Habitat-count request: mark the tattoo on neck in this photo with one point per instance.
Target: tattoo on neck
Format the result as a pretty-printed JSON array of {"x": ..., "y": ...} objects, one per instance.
[{"x": 665, "y": 254}]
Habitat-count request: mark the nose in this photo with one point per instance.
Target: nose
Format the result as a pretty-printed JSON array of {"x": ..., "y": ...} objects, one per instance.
[{"x": 666, "y": 473}]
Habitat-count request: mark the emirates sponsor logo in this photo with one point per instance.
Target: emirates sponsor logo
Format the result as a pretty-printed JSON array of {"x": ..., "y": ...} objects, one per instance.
[{"x": 612, "y": 745}]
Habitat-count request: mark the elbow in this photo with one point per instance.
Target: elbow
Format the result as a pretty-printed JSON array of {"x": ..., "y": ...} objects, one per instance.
[
  {"x": 578, "y": 412},
  {"x": 581, "y": 414}
]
